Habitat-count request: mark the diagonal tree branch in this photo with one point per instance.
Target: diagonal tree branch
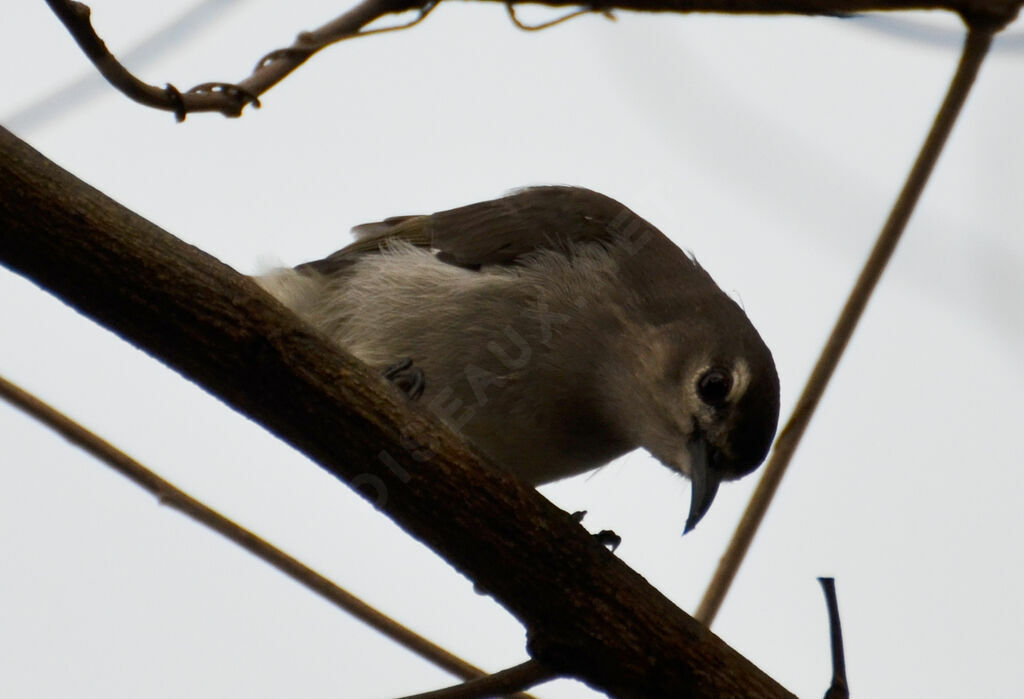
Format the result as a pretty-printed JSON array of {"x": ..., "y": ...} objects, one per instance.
[
  {"x": 976, "y": 45},
  {"x": 231, "y": 98},
  {"x": 587, "y": 614},
  {"x": 174, "y": 497}
]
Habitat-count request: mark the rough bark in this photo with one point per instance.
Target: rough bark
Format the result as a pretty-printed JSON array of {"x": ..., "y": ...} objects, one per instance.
[{"x": 587, "y": 614}]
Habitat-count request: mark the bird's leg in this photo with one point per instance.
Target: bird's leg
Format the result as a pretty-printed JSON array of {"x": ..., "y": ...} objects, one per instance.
[
  {"x": 408, "y": 378},
  {"x": 606, "y": 537}
]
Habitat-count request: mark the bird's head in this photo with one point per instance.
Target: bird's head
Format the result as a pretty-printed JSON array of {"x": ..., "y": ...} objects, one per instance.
[{"x": 712, "y": 399}]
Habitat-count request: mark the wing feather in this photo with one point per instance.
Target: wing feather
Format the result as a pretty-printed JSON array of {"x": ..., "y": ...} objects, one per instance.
[{"x": 499, "y": 231}]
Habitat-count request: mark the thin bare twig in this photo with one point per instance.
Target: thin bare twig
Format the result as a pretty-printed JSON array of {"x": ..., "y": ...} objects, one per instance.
[
  {"x": 976, "y": 45},
  {"x": 339, "y": 33},
  {"x": 231, "y": 98},
  {"x": 67, "y": 96},
  {"x": 840, "y": 688},
  {"x": 425, "y": 10},
  {"x": 169, "y": 495},
  {"x": 510, "y": 6},
  {"x": 500, "y": 684}
]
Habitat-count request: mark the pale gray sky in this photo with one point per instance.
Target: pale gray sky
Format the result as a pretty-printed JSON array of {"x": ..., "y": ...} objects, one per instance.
[{"x": 770, "y": 147}]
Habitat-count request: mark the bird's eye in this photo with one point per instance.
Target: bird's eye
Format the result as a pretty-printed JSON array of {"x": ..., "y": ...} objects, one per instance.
[{"x": 714, "y": 386}]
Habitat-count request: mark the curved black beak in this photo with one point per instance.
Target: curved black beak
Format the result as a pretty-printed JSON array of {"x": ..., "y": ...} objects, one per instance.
[{"x": 704, "y": 483}]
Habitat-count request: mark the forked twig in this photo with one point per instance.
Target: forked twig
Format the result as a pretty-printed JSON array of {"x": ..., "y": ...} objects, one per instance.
[
  {"x": 979, "y": 38},
  {"x": 500, "y": 684},
  {"x": 230, "y": 98}
]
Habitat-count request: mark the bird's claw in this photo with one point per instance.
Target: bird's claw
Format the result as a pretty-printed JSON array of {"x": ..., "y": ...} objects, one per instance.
[
  {"x": 606, "y": 537},
  {"x": 609, "y": 539},
  {"x": 409, "y": 379}
]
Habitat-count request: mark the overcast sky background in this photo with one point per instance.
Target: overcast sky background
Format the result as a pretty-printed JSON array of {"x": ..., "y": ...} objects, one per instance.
[{"x": 770, "y": 147}]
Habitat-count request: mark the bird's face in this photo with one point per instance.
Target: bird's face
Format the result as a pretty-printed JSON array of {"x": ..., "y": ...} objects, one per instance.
[{"x": 713, "y": 413}]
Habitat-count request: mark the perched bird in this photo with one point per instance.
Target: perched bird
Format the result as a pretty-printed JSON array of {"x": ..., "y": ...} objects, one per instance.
[{"x": 556, "y": 330}]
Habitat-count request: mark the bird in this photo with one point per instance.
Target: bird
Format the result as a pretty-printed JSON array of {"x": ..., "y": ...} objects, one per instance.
[{"x": 556, "y": 330}]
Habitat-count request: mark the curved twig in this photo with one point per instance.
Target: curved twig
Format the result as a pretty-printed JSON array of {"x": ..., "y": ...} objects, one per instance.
[
  {"x": 511, "y": 8},
  {"x": 231, "y": 98},
  {"x": 839, "y": 688}
]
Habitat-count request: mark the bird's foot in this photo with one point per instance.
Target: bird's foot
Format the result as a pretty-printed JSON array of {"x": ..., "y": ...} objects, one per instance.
[
  {"x": 609, "y": 539},
  {"x": 606, "y": 537},
  {"x": 408, "y": 378}
]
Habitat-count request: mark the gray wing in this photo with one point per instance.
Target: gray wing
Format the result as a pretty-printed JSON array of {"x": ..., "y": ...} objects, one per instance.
[{"x": 500, "y": 231}]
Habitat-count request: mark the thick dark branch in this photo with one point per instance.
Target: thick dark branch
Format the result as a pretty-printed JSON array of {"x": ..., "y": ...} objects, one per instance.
[
  {"x": 586, "y": 613},
  {"x": 231, "y": 98}
]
